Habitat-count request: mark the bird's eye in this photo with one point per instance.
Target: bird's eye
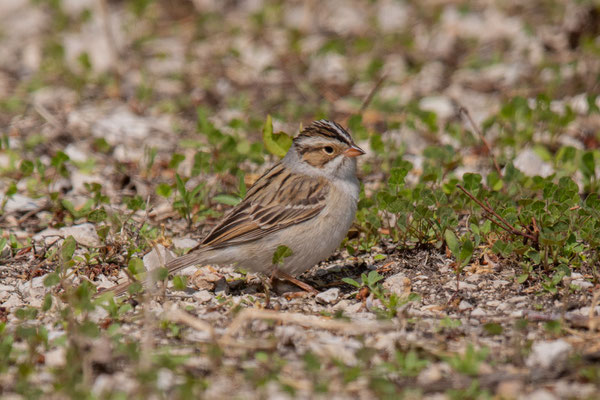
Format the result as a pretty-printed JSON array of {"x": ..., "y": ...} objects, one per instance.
[{"x": 328, "y": 149}]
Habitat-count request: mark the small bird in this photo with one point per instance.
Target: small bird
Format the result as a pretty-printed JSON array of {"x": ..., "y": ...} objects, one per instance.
[{"x": 307, "y": 202}]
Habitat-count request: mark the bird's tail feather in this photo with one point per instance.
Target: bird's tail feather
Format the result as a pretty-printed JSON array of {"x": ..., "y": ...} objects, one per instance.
[{"x": 172, "y": 266}]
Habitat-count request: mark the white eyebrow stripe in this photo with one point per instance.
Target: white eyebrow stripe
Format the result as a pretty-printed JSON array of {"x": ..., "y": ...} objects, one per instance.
[{"x": 336, "y": 128}]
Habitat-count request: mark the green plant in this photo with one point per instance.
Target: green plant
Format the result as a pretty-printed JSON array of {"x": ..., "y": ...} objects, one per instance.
[
  {"x": 469, "y": 362},
  {"x": 391, "y": 302}
]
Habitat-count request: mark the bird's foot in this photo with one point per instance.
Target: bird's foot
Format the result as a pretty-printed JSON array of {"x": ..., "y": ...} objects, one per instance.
[{"x": 287, "y": 277}]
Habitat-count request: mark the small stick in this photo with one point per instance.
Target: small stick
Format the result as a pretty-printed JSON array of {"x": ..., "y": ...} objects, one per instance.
[
  {"x": 175, "y": 314},
  {"x": 507, "y": 226},
  {"x": 371, "y": 94},
  {"x": 309, "y": 321},
  {"x": 463, "y": 110},
  {"x": 113, "y": 50},
  {"x": 40, "y": 109}
]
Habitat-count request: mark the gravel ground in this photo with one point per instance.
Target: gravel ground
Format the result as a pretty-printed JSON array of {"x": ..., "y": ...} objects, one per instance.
[{"x": 118, "y": 94}]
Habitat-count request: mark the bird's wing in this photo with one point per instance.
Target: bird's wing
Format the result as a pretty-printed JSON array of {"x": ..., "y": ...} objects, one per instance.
[{"x": 277, "y": 200}]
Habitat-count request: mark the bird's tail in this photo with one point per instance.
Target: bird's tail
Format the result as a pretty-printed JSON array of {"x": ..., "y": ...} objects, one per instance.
[{"x": 172, "y": 266}]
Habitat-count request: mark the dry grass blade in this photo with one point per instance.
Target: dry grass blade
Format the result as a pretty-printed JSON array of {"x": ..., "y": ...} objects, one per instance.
[
  {"x": 464, "y": 111},
  {"x": 308, "y": 321},
  {"x": 500, "y": 222},
  {"x": 371, "y": 94}
]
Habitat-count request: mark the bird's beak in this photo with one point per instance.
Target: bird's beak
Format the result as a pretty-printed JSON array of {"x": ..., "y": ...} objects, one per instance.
[{"x": 354, "y": 151}]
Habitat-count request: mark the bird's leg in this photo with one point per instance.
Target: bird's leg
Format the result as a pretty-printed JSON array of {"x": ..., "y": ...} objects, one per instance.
[{"x": 285, "y": 276}]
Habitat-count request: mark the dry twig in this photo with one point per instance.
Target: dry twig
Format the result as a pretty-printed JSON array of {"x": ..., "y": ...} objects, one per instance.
[
  {"x": 463, "y": 111},
  {"x": 371, "y": 94},
  {"x": 500, "y": 222},
  {"x": 309, "y": 321}
]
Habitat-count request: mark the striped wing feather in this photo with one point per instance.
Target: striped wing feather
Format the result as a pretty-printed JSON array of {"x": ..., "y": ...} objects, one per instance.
[{"x": 277, "y": 200}]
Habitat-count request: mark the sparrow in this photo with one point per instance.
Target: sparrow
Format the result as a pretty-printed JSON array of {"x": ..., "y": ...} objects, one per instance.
[{"x": 307, "y": 202}]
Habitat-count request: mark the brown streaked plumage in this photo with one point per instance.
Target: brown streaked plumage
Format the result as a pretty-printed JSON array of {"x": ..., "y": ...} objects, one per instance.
[
  {"x": 307, "y": 202},
  {"x": 262, "y": 212}
]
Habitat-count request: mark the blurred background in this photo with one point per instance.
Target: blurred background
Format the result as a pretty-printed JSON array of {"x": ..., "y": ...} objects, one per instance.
[
  {"x": 295, "y": 60},
  {"x": 138, "y": 90}
]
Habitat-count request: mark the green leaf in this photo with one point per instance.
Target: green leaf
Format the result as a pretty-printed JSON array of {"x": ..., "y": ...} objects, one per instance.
[
  {"x": 280, "y": 254},
  {"x": 26, "y": 313},
  {"x": 588, "y": 165},
  {"x": 164, "y": 190},
  {"x": 47, "y": 302},
  {"x": 12, "y": 189},
  {"x": 180, "y": 282},
  {"x": 161, "y": 273},
  {"x": 135, "y": 265},
  {"x": 97, "y": 215},
  {"x": 466, "y": 251},
  {"x": 134, "y": 288},
  {"x": 51, "y": 279},
  {"x": 351, "y": 282},
  {"x": 472, "y": 181},
  {"x": 493, "y": 328},
  {"x": 68, "y": 248},
  {"x": 494, "y": 181},
  {"x": 176, "y": 159},
  {"x": 373, "y": 278},
  {"x": 452, "y": 242},
  {"x": 275, "y": 143},
  {"x": 377, "y": 144},
  {"x": 26, "y": 167},
  {"x": 522, "y": 278},
  {"x": 180, "y": 186},
  {"x": 228, "y": 199},
  {"x": 534, "y": 256}
]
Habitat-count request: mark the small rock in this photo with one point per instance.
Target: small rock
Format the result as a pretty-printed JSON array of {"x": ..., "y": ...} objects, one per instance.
[
  {"x": 341, "y": 305},
  {"x": 18, "y": 203},
  {"x": 499, "y": 282},
  {"x": 121, "y": 125},
  {"x": 509, "y": 389},
  {"x": 398, "y": 284},
  {"x": 461, "y": 285},
  {"x": 354, "y": 308},
  {"x": 329, "y": 296},
  {"x": 549, "y": 356},
  {"x": 516, "y": 314},
  {"x": 473, "y": 278},
  {"x": 528, "y": 162},
  {"x": 464, "y": 305},
  {"x": 184, "y": 243},
  {"x": 55, "y": 357},
  {"x": 75, "y": 153},
  {"x": 441, "y": 106},
  {"x": 84, "y": 234},
  {"x": 429, "y": 375},
  {"x": 478, "y": 312},
  {"x": 329, "y": 68},
  {"x": 206, "y": 279},
  {"x": 582, "y": 283},
  {"x": 158, "y": 257},
  {"x": 164, "y": 379},
  {"x": 574, "y": 390},
  {"x": 392, "y": 16},
  {"x": 540, "y": 394},
  {"x": 517, "y": 299},
  {"x": 202, "y": 296},
  {"x": 13, "y": 301}
]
